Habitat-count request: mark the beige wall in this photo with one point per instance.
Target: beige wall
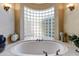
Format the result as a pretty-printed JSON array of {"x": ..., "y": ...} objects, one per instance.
[
  {"x": 39, "y": 6},
  {"x": 71, "y": 21},
  {"x": 60, "y": 15},
  {"x": 17, "y": 18}
]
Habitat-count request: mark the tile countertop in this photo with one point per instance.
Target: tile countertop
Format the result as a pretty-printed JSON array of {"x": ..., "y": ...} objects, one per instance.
[{"x": 71, "y": 50}]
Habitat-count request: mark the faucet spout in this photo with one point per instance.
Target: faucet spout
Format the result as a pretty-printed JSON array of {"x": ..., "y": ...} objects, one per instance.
[
  {"x": 46, "y": 54},
  {"x": 57, "y": 52}
]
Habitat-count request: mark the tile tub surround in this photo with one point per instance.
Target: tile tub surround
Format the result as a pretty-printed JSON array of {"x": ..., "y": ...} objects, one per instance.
[{"x": 71, "y": 50}]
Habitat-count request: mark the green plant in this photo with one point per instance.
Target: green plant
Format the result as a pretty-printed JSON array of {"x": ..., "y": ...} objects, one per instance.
[{"x": 75, "y": 39}]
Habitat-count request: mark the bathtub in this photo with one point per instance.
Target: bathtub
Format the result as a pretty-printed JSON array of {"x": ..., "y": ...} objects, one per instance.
[{"x": 39, "y": 48}]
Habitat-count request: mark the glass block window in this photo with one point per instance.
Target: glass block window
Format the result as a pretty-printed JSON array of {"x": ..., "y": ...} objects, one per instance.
[{"x": 39, "y": 23}]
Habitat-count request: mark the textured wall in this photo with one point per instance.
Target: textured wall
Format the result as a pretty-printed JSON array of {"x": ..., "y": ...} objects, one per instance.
[
  {"x": 37, "y": 7},
  {"x": 59, "y": 16}
]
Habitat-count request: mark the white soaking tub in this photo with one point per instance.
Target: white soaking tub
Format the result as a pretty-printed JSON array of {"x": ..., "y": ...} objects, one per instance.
[{"x": 39, "y": 48}]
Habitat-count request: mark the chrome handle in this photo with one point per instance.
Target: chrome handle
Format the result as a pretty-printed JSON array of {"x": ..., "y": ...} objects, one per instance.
[
  {"x": 57, "y": 52},
  {"x": 77, "y": 50}
]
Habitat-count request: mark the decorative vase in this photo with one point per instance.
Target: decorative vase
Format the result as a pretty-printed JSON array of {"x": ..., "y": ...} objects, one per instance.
[{"x": 14, "y": 37}]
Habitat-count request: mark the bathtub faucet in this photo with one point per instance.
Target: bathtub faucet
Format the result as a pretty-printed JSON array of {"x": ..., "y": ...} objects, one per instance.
[
  {"x": 39, "y": 39},
  {"x": 45, "y": 53}
]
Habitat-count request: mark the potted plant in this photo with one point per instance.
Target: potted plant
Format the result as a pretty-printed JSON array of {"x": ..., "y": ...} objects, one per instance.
[
  {"x": 2, "y": 43},
  {"x": 75, "y": 40}
]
